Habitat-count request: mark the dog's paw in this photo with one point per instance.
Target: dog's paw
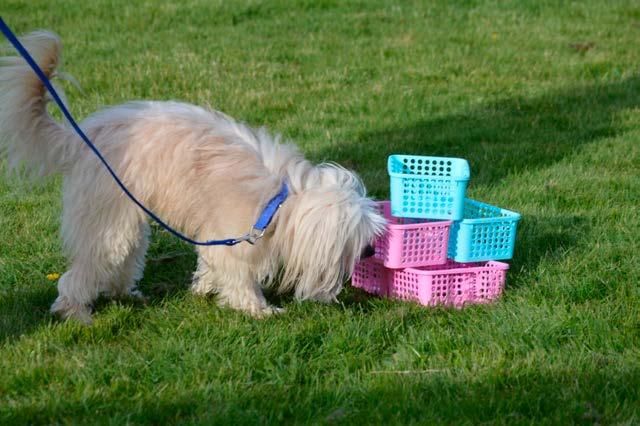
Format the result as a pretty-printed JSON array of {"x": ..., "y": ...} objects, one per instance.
[
  {"x": 67, "y": 309},
  {"x": 203, "y": 289},
  {"x": 264, "y": 312},
  {"x": 137, "y": 295},
  {"x": 268, "y": 311},
  {"x": 256, "y": 310}
]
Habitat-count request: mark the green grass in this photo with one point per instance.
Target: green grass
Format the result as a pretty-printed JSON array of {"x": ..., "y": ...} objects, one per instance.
[{"x": 551, "y": 130}]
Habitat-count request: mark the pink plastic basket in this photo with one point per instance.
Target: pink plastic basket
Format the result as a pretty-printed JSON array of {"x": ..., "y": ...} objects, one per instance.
[
  {"x": 371, "y": 276},
  {"x": 453, "y": 284},
  {"x": 411, "y": 242}
]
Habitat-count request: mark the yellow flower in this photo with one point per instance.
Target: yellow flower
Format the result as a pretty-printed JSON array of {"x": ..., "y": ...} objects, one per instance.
[{"x": 53, "y": 277}]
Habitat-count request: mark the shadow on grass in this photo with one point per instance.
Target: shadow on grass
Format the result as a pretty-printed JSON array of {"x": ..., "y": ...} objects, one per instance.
[
  {"x": 541, "y": 238},
  {"x": 571, "y": 395},
  {"x": 351, "y": 298},
  {"x": 502, "y": 138},
  {"x": 168, "y": 273},
  {"x": 24, "y": 310},
  {"x": 507, "y": 138},
  {"x": 499, "y": 139}
]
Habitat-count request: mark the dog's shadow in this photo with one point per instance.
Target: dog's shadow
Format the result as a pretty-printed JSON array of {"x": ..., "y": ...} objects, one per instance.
[
  {"x": 23, "y": 310},
  {"x": 169, "y": 267}
]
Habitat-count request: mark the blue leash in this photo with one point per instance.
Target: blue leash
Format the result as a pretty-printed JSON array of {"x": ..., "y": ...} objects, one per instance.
[{"x": 256, "y": 232}]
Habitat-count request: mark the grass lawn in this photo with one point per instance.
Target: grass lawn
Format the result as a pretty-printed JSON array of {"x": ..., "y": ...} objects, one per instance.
[{"x": 542, "y": 97}]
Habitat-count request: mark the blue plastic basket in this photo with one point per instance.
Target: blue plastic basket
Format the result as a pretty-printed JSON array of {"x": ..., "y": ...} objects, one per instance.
[
  {"x": 486, "y": 233},
  {"x": 428, "y": 187}
]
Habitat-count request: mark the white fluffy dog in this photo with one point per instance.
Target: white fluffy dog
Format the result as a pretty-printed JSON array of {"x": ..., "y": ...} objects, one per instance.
[{"x": 199, "y": 170}]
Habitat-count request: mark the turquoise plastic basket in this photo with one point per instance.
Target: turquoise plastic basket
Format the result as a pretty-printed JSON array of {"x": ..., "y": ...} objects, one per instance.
[
  {"x": 486, "y": 233},
  {"x": 428, "y": 187}
]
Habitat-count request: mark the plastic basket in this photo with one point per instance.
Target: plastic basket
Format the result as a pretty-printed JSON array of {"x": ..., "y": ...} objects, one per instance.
[
  {"x": 453, "y": 284},
  {"x": 427, "y": 187},
  {"x": 371, "y": 276},
  {"x": 486, "y": 233},
  {"x": 411, "y": 242}
]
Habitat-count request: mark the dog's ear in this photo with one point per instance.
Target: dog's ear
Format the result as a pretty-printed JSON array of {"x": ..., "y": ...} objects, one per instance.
[
  {"x": 372, "y": 219},
  {"x": 321, "y": 234},
  {"x": 310, "y": 243}
]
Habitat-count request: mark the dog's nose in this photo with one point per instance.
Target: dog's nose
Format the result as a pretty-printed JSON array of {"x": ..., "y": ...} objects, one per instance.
[{"x": 368, "y": 252}]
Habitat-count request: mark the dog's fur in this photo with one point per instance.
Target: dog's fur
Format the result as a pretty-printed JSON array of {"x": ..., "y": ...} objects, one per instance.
[{"x": 199, "y": 170}]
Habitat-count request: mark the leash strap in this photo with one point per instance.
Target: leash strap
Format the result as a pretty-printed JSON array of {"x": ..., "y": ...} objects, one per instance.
[{"x": 256, "y": 232}]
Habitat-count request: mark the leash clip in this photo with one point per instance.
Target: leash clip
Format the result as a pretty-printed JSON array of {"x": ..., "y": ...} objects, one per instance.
[{"x": 253, "y": 236}]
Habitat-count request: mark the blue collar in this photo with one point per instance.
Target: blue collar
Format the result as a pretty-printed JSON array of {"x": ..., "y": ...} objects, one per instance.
[{"x": 258, "y": 229}]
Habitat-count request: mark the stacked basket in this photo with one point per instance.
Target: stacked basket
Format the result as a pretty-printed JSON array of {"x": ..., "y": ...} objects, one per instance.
[{"x": 439, "y": 248}]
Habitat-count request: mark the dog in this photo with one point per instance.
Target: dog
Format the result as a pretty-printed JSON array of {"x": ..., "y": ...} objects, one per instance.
[{"x": 203, "y": 173}]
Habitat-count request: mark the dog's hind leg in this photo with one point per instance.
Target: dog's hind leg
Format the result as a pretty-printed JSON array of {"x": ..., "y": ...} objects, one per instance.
[
  {"x": 233, "y": 279},
  {"x": 105, "y": 243},
  {"x": 132, "y": 268},
  {"x": 204, "y": 279}
]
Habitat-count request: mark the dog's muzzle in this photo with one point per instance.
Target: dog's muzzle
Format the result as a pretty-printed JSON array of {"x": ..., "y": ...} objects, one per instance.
[{"x": 368, "y": 252}]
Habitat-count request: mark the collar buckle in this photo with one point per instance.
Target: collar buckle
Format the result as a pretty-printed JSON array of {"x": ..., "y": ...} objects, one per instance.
[{"x": 252, "y": 236}]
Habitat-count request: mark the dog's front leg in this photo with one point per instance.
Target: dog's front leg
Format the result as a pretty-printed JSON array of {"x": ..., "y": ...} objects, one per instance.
[{"x": 233, "y": 279}]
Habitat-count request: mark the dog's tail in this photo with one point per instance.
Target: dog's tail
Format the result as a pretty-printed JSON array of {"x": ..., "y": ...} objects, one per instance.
[{"x": 28, "y": 134}]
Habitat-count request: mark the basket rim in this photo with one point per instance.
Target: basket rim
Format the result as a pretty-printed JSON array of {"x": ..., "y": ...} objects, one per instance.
[
  {"x": 509, "y": 215},
  {"x": 410, "y": 226},
  {"x": 491, "y": 264},
  {"x": 464, "y": 176}
]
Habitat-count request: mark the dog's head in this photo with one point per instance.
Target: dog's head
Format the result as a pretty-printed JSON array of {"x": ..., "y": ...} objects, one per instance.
[{"x": 323, "y": 230}]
